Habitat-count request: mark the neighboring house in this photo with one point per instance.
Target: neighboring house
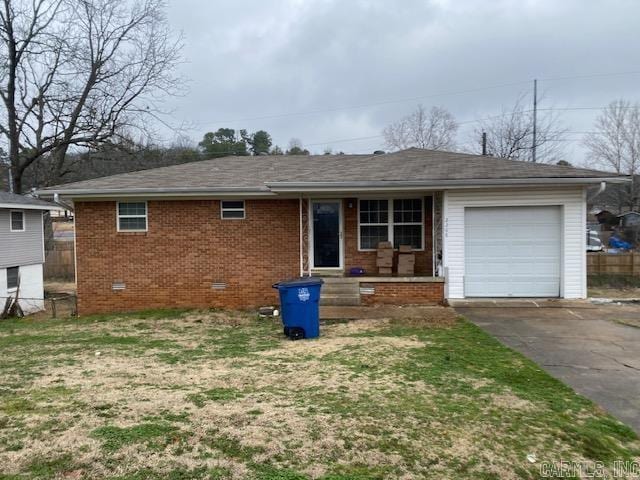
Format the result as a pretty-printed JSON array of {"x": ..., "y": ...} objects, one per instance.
[
  {"x": 219, "y": 233},
  {"x": 630, "y": 220},
  {"x": 22, "y": 249},
  {"x": 618, "y": 198}
]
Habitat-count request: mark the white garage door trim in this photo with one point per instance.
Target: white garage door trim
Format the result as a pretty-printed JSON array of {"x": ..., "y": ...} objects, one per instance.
[
  {"x": 513, "y": 251},
  {"x": 574, "y": 211}
]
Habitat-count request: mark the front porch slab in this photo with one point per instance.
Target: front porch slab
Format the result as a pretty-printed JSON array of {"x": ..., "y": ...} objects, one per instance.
[{"x": 414, "y": 279}]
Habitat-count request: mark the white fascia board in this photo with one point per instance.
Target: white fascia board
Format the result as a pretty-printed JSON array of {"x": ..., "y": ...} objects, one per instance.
[
  {"x": 26, "y": 206},
  {"x": 157, "y": 193},
  {"x": 440, "y": 185}
]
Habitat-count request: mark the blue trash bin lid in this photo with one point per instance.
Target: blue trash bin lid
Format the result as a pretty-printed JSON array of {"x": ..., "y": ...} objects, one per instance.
[{"x": 299, "y": 282}]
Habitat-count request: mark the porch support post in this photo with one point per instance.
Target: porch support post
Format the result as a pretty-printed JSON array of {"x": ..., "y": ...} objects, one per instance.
[
  {"x": 437, "y": 236},
  {"x": 301, "y": 238}
]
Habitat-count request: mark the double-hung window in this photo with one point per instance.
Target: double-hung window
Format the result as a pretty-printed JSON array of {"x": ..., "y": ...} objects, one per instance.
[
  {"x": 17, "y": 221},
  {"x": 400, "y": 221},
  {"x": 132, "y": 216},
  {"x": 374, "y": 223},
  {"x": 407, "y": 222},
  {"x": 232, "y": 209}
]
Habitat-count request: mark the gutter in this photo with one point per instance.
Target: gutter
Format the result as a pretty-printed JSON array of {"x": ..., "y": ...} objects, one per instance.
[
  {"x": 22, "y": 206},
  {"x": 273, "y": 188},
  {"x": 440, "y": 184},
  {"x": 159, "y": 192}
]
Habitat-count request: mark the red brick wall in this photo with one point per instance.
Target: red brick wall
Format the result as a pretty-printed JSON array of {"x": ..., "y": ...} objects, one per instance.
[
  {"x": 367, "y": 260},
  {"x": 428, "y": 293},
  {"x": 186, "y": 249}
]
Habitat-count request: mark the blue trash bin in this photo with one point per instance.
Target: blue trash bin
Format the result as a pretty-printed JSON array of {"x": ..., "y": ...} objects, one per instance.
[{"x": 299, "y": 305}]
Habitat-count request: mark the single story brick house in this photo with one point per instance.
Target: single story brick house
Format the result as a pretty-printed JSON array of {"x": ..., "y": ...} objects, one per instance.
[
  {"x": 22, "y": 250},
  {"x": 220, "y": 232}
]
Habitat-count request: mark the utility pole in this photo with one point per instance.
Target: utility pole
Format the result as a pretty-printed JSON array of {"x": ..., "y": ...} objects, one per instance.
[
  {"x": 535, "y": 113},
  {"x": 484, "y": 143}
]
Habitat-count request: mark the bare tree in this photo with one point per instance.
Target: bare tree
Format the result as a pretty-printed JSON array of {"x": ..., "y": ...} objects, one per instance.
[
  {"x": 296, "y": 148},
  {"x": 435, "y": 130},
  {"x": 510, "y": 134},
  {"x": 74, "y": 73},
  {"x": 616, "y": 145}
]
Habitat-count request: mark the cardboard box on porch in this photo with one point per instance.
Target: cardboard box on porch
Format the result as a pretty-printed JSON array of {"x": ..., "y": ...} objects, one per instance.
[
  {"x": 406, "y": 263},
  {"x": 406, "y": 269},
  {"x": 405, "y": 249},
  {"x": 385, "y": 262},
  {"x": 384, "y": 258},
  {"x": 386, "y": 253},
  {"x": 406, "y": 272},
  {"x": 406, "y": 259}
]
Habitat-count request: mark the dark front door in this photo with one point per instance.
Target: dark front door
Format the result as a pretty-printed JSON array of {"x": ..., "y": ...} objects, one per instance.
[{"x": 326, "y": 233}]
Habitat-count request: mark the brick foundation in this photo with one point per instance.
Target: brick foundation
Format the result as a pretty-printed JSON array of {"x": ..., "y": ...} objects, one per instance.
[{"x": 404, "y": 293}]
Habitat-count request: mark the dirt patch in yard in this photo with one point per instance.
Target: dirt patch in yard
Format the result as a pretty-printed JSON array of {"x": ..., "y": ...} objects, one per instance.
[
  {"x": 417, "y": 315},
  {"x": 508, "y": 400}
]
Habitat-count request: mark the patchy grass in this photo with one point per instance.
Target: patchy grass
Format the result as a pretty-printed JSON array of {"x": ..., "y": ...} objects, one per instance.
[
  {"x": 219, "y": 394},
  {"x": 113, "y": 438},
  {"x": 614, "y": 281},
  {"x": 222, "y": 395},
  {"x": 614, "y": 286}
]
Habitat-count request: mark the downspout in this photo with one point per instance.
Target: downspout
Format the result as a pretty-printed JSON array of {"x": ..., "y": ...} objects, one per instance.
[
  {"x": 301, "y": 239},
  {"x": 602, "y": 188}
]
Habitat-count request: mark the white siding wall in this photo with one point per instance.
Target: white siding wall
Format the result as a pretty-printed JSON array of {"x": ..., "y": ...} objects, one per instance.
[
  {"x": 21, "y": 248},
  {"x": 31, "y": 288},
  {"x": 573, "y": 283}
]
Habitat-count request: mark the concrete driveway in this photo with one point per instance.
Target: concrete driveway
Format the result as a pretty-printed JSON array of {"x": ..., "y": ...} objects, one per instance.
[{"x": 590, "y": 347}]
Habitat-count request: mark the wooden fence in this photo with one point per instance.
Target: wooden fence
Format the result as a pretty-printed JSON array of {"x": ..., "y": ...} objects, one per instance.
[
  {"x": 613, "y": 264},
  {"x": 59, "y": 262}
]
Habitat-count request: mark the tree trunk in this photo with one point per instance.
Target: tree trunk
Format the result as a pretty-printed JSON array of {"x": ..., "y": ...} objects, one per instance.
[{"x": 16, "y": 179}]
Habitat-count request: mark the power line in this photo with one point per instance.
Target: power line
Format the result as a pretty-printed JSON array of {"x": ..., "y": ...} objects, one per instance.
[
  {"x": 419, "y": 97},
  {"x": 590, "y": 75},
  {"x": 343, "y": 140},
  {"x": 363, "y": 105}
]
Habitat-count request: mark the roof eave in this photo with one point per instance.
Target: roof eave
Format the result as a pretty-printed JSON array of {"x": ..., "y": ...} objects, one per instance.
[
  {"x": 28, "y": 206},
  {"x": 278, "y": 187},
  {"x": 153, "y": 192},
  {"x": 274, "y": 188}
]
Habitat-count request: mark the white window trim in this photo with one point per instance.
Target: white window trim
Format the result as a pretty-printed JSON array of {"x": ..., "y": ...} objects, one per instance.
[
  {"x": 12, "y": 289},
  {"x": 146, "y": 217},
  {"x": 390, "y": 224},
  {"x": 243, "y": 210},
  {"x": 24, "y": 221}
]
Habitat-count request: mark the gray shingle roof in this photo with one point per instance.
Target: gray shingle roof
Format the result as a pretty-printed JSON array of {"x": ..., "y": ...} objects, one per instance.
[
  {"x": 256, "y": 173},
  {"x": 11, "y": 199}
]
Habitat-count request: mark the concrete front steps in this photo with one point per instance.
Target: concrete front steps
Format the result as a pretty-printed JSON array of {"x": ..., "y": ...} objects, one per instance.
[{"x": 340, "y": 291}]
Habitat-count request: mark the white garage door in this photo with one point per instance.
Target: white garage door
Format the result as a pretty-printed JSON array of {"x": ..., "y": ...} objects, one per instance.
[{"x": 512, "y": 252}]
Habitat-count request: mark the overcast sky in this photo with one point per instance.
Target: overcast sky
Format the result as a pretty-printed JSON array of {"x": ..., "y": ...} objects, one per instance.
[{"x": 328, "y": 70}]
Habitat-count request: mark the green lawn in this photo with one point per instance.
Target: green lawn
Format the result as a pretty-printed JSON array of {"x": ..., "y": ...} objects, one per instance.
[{"x": 190, "y": 395}]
